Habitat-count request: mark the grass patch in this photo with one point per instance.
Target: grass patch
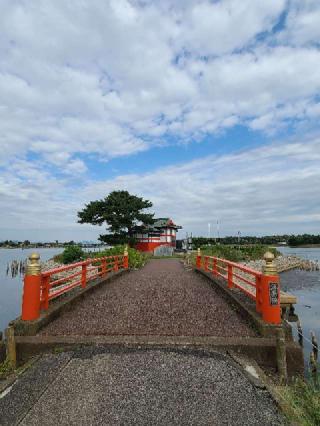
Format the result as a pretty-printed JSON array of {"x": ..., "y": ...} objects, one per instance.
[
  {"x": 73, "y": 254},
  {"x": 5, "y": 368},
  {"x": 238, "y": 253},
  {"x": 303, "y": 400},
  {"x": 137, "y": 259}
]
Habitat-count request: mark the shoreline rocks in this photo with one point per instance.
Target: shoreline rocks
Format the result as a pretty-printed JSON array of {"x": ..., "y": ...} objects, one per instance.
[{"x": 285, "y": 263}]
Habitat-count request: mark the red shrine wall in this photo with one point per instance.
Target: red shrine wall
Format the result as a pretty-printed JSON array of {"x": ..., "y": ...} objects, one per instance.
[
  {"x": 149, "y": 242},
  {"x": 148, "y": 246}
]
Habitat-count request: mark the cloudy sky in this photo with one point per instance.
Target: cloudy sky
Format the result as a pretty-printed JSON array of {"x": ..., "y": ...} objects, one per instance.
[{"x": 210, "y": 109}]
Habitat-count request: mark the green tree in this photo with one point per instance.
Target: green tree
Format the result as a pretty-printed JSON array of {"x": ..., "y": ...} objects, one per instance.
[
  {"x": 72, "y": 254},
  {"x": 121, "y": 211}
]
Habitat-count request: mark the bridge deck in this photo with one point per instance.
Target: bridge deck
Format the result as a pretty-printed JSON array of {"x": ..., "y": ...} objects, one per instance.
[{"x": 161, "y": 299}]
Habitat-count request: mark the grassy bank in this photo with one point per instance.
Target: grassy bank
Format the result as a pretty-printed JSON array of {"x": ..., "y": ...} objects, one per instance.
[
  {"x": 301, "y": 403},
  {"x": 238, "y": 253},
  {"x": 74, "y": 253}
]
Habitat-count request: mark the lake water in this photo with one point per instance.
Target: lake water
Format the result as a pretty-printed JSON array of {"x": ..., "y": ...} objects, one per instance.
[
  {"x": 306, "y": 286},
  {"x": 11, "y": 288}
]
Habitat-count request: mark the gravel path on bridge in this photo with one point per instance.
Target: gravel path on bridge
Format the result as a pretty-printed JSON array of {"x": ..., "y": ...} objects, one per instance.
[{"x": 163, "y": 298}]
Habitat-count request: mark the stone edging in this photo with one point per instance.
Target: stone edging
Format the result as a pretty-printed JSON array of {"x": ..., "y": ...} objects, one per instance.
[{"x": 261, "y": 349}]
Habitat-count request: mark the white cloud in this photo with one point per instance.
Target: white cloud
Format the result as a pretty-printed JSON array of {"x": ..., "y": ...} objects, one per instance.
[
  {"x": 94, "y": 77},
  {"x": 264, "y": 190},
  {"x": 302, "y": 24}
]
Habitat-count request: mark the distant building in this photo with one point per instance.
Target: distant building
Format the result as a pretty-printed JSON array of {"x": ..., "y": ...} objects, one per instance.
[{"x": 162, "y": 233}]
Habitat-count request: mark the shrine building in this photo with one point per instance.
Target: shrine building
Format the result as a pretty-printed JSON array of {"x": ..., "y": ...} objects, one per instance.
[{"x": 161, "y": 233}]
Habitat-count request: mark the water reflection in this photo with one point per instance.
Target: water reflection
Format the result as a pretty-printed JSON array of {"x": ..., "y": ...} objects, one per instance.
[
  {"x": 16, "y": 267},
  {"x": 11, "y": 280},
  {"x": 306, "y": 286}
]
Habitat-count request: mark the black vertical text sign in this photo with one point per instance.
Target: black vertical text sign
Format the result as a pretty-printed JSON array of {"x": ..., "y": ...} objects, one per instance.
[{"x": 273, "y": 293}]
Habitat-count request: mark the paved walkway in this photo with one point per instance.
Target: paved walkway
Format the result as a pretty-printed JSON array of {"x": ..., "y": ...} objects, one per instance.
[
  {"x": 94, "y": 387},
  {"x": 163, "y": 298}
]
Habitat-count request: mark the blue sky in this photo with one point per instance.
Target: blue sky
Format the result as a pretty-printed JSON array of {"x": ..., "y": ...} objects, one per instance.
[{"x": 210, "y": 109}]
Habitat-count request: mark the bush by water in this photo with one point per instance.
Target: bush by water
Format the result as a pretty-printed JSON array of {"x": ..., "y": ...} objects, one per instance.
[{"x": 74, "y": 253}]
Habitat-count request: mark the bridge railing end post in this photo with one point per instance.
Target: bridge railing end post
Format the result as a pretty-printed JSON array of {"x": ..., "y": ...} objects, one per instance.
[
  {"x": 270, "y": 291},
  {"x": 32, "y": 289}
]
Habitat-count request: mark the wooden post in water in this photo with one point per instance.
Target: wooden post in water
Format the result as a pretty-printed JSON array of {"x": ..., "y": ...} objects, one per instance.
[
  {"x": 11, "y": 346},
  {"x": 300, "y": 333},
  {"x": 281, "y": 356},
  {"x": 313, "y": 369},
  {"x": 315, "y": 347}
]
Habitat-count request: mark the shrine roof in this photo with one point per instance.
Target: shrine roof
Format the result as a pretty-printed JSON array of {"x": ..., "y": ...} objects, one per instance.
[{"x": 161, "y": 222}]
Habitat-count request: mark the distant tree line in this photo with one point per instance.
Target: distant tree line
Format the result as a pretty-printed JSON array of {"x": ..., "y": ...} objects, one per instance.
[
  {"x": 304, "y": 239},
  {"x": 291, "y": 240},
  {"x": 28, "y": 244}
]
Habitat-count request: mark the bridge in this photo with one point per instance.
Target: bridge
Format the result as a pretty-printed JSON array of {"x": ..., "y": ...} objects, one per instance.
[{"x": 169, "y": 343}]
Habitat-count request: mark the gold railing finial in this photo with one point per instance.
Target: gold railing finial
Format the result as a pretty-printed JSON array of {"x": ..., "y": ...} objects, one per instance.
[
  {"x": 270, "y": 267},
  {"x": 34, "y": 267},
  {"x": 125, "y": 250},
  {"x": 199, "y": 251}
]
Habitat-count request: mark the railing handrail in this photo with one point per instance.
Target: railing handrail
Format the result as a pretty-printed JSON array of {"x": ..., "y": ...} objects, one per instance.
[
  {"x": 54, "y": 271},
  {"x": 40, "y": 288},
  {"x": 237, "y": 265},
  {"x": 264, "y": 290}
]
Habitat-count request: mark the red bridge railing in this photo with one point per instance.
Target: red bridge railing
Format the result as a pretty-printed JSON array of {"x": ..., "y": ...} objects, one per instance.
[
  {"x": 262, "y": 287},
  {"x": 42, "y": 287}
]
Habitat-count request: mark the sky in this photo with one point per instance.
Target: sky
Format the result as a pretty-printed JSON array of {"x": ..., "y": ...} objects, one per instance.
[{"x": 209, "y": 109}]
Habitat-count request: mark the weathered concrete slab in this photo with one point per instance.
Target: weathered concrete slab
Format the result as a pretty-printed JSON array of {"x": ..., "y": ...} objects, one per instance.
[
  {"x": 142, "y": 388},
  {"x": 262, "y": 350},
  {"x": 19, "y": 398}
]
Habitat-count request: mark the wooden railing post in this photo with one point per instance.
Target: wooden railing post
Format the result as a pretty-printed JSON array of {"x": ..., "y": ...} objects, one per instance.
[
  {"x": 230, "y": 276},
  {"x": 206, "y": 260},
  {"x": 258, "y": 294},
  {"x": 198, "y": 261},
  {"x": 116, "y": 264},
  {"x": 215, "y": 270},
  {"x": 84, "y": 275},
  {"x": 45, "y": 286},
  {"x": 103, "y": 266},
  {"x": 270, "y": 291},
  {"x": 126, "y": 258},
  {"x": 32, "y": 289}
]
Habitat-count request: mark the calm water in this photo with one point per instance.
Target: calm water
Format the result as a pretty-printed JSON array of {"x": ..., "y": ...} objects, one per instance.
[
  {"x": 11, "y": 288},
  {"x": 306, "y": 286}
]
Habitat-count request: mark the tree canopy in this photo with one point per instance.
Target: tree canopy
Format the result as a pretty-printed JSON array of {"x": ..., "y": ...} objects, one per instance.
[{"x": 121, "y": 212}]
